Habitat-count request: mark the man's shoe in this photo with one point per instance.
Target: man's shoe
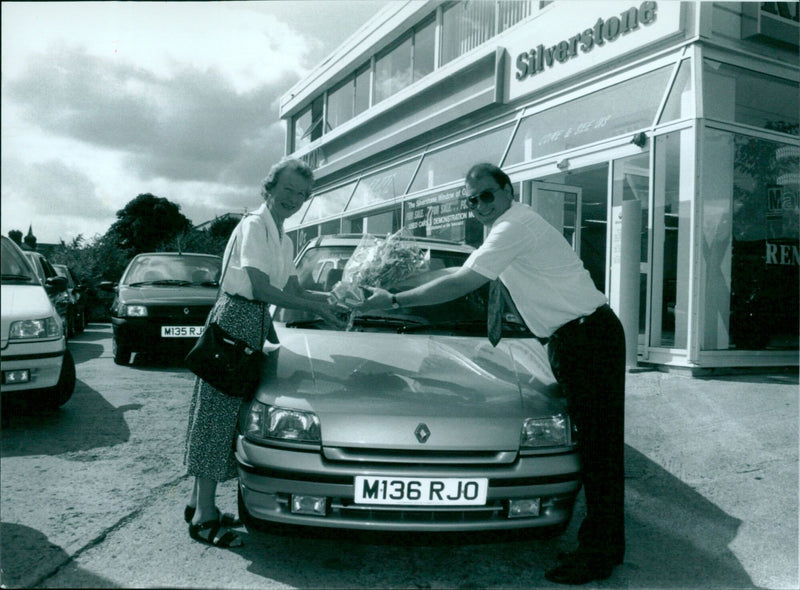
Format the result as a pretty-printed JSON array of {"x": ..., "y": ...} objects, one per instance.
[{"x": 579, "y": 572}]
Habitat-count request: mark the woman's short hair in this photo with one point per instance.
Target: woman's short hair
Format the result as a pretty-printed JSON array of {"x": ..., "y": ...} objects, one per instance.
[
  {"x": 275, "y": 172},
  {"x": 486, "y": 169}
]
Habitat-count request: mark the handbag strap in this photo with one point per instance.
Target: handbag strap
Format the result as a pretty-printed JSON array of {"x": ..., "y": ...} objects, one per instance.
[
  {"x": 230, "y": 253},
  {"x": 233, "y": 246}
]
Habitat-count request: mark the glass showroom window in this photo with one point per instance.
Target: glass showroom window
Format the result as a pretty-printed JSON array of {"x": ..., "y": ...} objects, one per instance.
[
  {"x": 329, "y": 203},
  {"x": 584, "y": 120},
  {"x": 750, "y": 98},
  {"x": 679, "y": 103},
  {"x": 671, "y": 240},
  {"x": 750, "y": 236},
  {"x": 382, "y": 186},
  {"x": 451, "y": 163}
]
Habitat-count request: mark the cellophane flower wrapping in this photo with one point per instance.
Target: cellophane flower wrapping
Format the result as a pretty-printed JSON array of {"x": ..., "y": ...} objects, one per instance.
[{"x": 378, "y": 262}]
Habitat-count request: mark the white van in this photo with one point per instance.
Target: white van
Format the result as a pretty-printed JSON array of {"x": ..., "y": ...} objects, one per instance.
[{"x": 36, "y": 364}]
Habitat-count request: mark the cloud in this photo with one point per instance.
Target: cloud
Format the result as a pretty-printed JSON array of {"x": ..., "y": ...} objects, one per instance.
[
  {"x": 75, "y": 192},
  {"x": 191, "y": 125},
  {"x": 179, "y": 99}
]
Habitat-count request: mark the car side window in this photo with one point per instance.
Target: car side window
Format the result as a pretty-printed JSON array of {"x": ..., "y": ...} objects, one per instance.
[{"x": 49, "y": 271}]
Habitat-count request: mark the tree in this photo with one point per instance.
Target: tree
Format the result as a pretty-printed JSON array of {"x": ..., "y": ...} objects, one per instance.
[
  {"x": 16, "y": 236},
  {"x": 146, "y": 223},
  {"x": 209, "y": 240}
]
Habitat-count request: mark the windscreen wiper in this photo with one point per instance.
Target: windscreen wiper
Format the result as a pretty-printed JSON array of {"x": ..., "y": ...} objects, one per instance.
[
  {"x": 176, "y": 282},
  {"x": 13, "y": 277},
  {"x": 387, "y": 320},
  {"x": 449, "y": 324}
]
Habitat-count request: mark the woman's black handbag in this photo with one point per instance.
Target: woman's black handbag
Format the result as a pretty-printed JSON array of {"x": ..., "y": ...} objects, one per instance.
[
  {"x": 225, "y": 362},
  {"x": 228, "y": 364}
]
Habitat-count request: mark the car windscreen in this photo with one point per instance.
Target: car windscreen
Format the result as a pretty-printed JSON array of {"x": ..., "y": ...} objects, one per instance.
[
  {"x": 177, "y": 270},
  {"x": 15, "y": 269},
  {"x": 321, "y": 267}
]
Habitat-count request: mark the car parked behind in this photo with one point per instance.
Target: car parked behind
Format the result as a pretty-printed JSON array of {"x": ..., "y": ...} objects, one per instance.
[
  {"x": 161, "y": 302},
  {"x": 36, "y": 363},
  {"x": 409, "y": 421},
  {"x": 54, "y": 284},
  {"x": 77, "y": 314}
]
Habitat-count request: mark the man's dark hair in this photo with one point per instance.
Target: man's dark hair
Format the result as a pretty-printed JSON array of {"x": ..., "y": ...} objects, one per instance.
[{"x": 486, "y": 169}]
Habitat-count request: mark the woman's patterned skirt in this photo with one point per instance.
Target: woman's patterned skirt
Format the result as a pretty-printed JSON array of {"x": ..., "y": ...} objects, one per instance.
[{"x": 213, "y": 416}]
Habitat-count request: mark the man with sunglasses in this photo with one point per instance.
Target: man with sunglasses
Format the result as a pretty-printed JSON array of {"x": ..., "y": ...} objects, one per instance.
[{"x": 559, "y": 302}]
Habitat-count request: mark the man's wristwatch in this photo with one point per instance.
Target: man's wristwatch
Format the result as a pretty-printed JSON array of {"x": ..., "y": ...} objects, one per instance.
[{"x": 395, "y": 304}]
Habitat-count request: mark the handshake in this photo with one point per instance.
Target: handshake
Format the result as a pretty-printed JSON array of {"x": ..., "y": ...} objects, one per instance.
[{"x": 349, "y": 298}]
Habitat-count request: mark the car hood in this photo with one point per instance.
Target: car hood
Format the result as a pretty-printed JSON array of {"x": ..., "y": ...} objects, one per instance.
[
  {"x": 168, "y": 295},
  {"x": 23, "y": 302},
  {"x": 374, "y": 389}
]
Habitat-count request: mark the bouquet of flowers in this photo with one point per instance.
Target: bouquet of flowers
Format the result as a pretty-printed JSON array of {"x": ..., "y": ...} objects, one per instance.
[{"x": 379, "y": 263}]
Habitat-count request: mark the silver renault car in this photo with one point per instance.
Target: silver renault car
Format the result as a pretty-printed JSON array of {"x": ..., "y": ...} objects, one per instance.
[{"x": 409, "y": 420}]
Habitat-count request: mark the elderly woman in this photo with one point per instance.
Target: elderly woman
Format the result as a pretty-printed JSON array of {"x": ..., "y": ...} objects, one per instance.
[{"x": 259, "y": 272}]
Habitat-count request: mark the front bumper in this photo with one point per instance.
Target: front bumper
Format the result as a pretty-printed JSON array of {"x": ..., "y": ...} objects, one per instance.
[
  {"x": 43, "y": 359},
  {"x": 144, "y": 334},
  {"x": 266, "y": 491}
]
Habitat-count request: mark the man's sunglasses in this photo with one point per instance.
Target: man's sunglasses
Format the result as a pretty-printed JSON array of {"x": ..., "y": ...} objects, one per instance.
[{"x": 486, "y": 196}]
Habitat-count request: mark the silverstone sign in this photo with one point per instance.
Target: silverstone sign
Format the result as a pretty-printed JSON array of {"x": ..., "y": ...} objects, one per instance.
[{"x": 557, "y": 46}]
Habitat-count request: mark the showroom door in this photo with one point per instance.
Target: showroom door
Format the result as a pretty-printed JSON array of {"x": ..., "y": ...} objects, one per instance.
[{"x": 560, "y": 204}]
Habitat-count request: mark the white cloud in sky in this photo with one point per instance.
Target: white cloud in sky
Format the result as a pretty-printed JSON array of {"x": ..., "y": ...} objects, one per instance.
[{"x": 103, "y": 101}]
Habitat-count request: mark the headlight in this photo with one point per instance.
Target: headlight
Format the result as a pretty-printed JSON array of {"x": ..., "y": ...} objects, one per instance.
[
  {"x": 545, "y": 432},
  {"x": 44, "y": 328},
  {"x": 269, "y": 422},
  {"x": 134, "y": 311}
]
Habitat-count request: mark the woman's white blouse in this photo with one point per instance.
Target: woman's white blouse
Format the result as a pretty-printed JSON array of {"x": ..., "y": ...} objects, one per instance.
[{"x": 256, "y": 242}]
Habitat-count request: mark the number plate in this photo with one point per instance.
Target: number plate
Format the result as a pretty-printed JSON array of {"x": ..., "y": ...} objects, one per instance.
[
  {"x": 421, "y": 491},
  {"x": 181, "y": 331}
]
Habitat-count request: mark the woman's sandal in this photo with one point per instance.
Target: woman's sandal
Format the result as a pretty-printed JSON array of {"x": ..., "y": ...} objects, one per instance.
[
  {"x": 213, "y": 533},
  {"x": 226, "y": 519}
]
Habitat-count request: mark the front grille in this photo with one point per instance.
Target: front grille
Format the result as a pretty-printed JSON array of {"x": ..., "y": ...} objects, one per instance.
[
  {"x": 348, "y": 510},
  {"x": 197, "y": 313},
  {"x": 345, "y": 509},
  {"x": 408, "y": 457}
]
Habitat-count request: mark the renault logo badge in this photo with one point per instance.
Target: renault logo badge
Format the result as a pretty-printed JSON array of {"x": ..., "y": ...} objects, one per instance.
[{"x": 422, "y": 433}]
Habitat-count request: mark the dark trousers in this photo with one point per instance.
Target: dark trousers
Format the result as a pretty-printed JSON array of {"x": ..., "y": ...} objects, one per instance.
[{"x": 588, "y": 360}]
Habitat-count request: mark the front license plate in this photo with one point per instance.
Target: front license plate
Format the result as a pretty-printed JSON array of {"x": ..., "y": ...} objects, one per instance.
[
  {"x": 421, "y": 491},
  {"x": 181, "y": 331}
]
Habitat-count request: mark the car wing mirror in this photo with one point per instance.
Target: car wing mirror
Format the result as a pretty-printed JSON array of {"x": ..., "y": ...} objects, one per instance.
[
  {"x": 107, "y": 286},
  {"x": 56, "y": 284}
]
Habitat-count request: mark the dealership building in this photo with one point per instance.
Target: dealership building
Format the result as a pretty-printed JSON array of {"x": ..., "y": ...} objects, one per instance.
[{"x": 660, "y": 137}]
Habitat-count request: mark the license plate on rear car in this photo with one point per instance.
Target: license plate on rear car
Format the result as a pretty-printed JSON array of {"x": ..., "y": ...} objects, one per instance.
[
  {"x": 421, "y": 491},
  {"x": 181, "y": 331}
]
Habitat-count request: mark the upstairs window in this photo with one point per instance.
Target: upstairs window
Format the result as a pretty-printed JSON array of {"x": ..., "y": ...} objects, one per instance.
[
  {"x": 308, "y": 124},
  {"x": 348, "y": 99},
  {"x": 407, "y": 61},
  {"x": 393, "y": 70},
  {"x": 465, "y": 25}
]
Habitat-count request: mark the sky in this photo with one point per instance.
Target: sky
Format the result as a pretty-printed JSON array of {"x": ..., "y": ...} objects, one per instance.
[{"x": 104, "y": 101}]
